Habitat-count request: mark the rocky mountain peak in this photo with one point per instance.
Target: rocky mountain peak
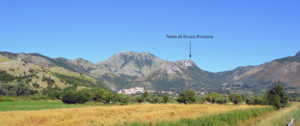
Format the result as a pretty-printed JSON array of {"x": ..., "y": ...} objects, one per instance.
[
  {"x": 61, "y": 59},
  {"x": 298, "y": 54},
  {"x": 177, "y": 67},
  {"x": 185, "y": 63},
  {"x": 82, "y": 61},
  {"x": 130, "y": 63}
]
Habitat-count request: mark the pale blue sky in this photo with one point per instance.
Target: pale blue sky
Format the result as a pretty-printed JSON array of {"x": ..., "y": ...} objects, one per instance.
[{"x": 248, "y": 32}]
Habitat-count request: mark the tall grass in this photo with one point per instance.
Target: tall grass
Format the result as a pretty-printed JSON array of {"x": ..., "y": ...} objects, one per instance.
[
  {"x": 281, "y": 117},
  {"x": 227, "y": 119}
]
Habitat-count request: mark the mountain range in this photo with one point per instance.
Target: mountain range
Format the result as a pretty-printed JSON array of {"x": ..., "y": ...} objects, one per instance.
[{"x": 134, "y": 69}]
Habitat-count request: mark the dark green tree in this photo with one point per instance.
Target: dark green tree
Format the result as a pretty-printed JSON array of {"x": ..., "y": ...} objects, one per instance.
[
  {"x": 97, "y": 94},
  {"x": 83, "y": 95},
  {"x": 188, "y": 96},
  {"x": 145, "y": 96},
  {"x": 212, "y": 97},
  {"x": 238, "y": 99},
  {"x": 5, "y": 77},
  {"x": 55, "y": 94},
  {"x": 166, "y": 98},
  {"x": 277, "y": 96},
  {"x": 108, "y": 97},
  {"x": 70, "y": 96},
  {"x": 121, "y": 98}
]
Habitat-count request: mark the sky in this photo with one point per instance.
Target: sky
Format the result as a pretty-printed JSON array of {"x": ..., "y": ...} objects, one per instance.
[{"x": 248, "y": 32}]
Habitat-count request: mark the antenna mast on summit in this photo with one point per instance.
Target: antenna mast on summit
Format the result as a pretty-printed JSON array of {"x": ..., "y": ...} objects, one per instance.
[{"x": 190, "y": 50}]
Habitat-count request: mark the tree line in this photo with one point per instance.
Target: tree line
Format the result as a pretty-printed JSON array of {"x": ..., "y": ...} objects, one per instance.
[{"x": 71, "y": 95}]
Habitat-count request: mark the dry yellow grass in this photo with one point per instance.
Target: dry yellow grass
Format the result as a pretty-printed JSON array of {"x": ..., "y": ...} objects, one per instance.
[
  {"x": 110, "y": 115},
  {"x": 3, "y": 59}
]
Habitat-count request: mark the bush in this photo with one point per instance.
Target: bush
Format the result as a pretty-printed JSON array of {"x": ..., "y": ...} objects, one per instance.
[
  {"x": 70, "y": 97},
  {"x": 166, "y": 98},
  {"x": 83, "y": 96},
  {"x": 256, "y": 100},
  {"x": 188, "y": 96},
  {"x": 97, "y": 94},
  {"x": 121, "y": 98},
  {"x": 56, "y": 94},
  {"x": 213, "y": 97},
  {"x": 16, "y": 89},
  {"x": 201, "y": 100},
  {"x": 222, "y": 100},
  {"x": 146, "y": 96},
  {"x": 5, "y": 77}
]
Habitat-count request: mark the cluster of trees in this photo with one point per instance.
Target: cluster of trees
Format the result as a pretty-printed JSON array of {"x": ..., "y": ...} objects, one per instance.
[
  {"x": 5, "y": 77},
  {"x": 76, "y": 81},
  {"x": 147, "y": 97},
  {"x": 189, "y": 96},
  {"x": 16, "y": 89},
  {"x": 276, "y": 97},
  {"x": 71, "y": 96},
  {"x": 48, "y": 80}
]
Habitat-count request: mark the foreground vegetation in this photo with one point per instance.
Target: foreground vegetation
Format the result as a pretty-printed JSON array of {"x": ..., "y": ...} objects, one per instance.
[
  {"x": 281, "y": 117},
  {"x": 38, "y": 105},
  {"x": 212, "y": 109},
  {"x": 119, "y": 115},
  {"x": 225, "y": 119}
]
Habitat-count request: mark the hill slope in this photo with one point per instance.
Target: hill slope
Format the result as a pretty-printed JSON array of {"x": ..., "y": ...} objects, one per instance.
[{"x": 133, "y": 69}]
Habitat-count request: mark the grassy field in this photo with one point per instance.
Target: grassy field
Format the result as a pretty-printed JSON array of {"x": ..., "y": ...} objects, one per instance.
[
  {"x": 281, "y": 117},
  {"x": 231, "y": 118},
  {"x": 38, "y": 105},
  {"x": 112, "y": 115}
]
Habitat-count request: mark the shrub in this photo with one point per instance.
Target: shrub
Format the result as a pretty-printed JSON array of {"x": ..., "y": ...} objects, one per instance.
[
  {"x": 16, "y": 89},
  {"x": 70, "y": 96},
  {"x": 155, "y": 99},
  {"x": 166, "y": 98},
  {"x": 236, "y": 98},
  {"x": 256, "y": 100},
  {"x": 5, "y": 77},
  {"x": 145, "y": 96},
  {"x": 188, "y": 96},
  {"x": 36, "y": 85},
  {"x": 213, "y": 97},
  {"x": 54, "y": 94},
  {"x": 121, "y": 98},
  {"x": 83, "y": 96},
  {"x": 97, "y": 94},
  {"x": 222, "y": 100},
  {"x": 108, "y": 97}
]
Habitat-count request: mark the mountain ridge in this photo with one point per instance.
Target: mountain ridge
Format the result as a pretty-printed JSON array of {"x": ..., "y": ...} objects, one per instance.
[{"x": 130, "y": 69}]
